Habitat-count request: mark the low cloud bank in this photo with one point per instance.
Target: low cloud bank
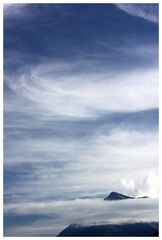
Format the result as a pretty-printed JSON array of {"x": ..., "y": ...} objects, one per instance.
[{"x": 54, "y": 216}]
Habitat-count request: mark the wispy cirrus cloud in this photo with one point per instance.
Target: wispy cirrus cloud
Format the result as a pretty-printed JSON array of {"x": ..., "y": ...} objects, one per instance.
[
  {"x": 148, "y": 12},
  {"x": 74, "y": 92},
  {"x": 69, "y": 92}
]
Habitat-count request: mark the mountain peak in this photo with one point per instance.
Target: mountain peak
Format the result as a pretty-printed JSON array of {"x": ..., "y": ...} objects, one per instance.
[{"x": 117, "y": 196}]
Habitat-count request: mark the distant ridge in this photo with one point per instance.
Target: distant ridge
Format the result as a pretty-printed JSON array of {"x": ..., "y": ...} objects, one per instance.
[{"x": 142, "y": 197}]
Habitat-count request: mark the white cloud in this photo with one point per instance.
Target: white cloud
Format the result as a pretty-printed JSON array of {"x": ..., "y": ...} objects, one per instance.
[
  {"x": 62, "y": 91},
  {"x": 147, "y": 11},
  {"x": 146, "y": 186}
]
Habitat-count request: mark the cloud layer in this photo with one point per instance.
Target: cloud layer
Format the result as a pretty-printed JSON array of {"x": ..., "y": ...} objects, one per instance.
[
  {"x": 84, "y": 166},
  {"x": 60, "y": 214}
]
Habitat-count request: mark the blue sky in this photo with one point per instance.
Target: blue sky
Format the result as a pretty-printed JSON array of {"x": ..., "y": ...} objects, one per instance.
[{"x": 80, "y": 107}]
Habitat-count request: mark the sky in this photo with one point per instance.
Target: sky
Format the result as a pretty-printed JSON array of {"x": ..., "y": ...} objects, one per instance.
[{"x": 80, "y": 113}]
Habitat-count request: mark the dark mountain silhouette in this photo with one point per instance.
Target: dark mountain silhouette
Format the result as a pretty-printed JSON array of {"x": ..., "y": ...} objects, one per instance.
[
  {"x": 156, "y": 234},
  {"x": 118, "y": 196},
  {"x": 139, "y": 229}
]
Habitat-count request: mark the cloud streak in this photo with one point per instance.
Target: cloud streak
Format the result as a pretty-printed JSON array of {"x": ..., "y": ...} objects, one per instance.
[{"x": 148, "y": 12}]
